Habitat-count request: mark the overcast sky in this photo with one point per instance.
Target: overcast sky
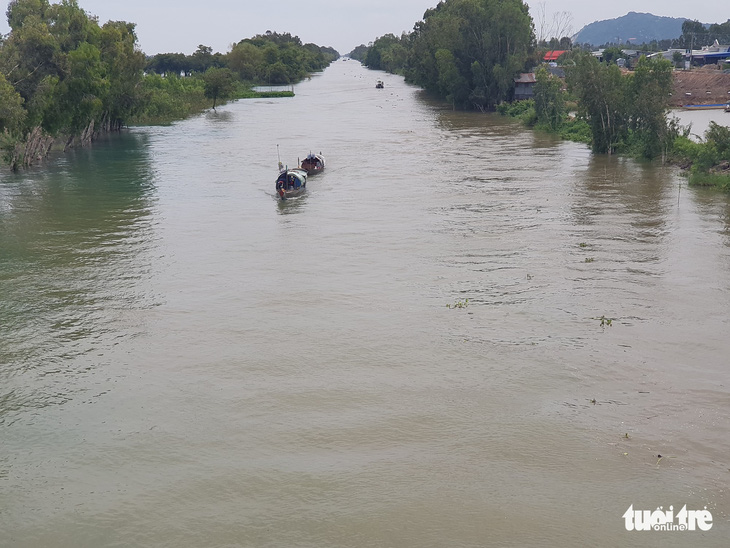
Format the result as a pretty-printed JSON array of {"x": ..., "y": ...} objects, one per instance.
[{"x": 180, "y": 25}]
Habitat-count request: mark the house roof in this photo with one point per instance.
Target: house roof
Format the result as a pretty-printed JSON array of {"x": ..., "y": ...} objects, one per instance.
[
  {"x": 556, "y": 71},
  {"x": 553, "y": 55},
  {"x": 526, "y": 78}
]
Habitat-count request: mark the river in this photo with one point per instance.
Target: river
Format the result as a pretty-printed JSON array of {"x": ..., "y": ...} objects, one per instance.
[{"x": 465, "y": 334}]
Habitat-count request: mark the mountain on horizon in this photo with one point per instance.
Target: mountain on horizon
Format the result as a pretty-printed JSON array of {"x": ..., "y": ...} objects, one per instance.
[{"x": 639, "y": 28}]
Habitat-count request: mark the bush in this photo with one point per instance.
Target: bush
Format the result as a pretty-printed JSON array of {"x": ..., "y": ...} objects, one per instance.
[
  {"x": 720, "y": 181},
  {"x": 719, "y": 137},
  {"x": 516, "y": 109},
  {"x": 170, "y": 98},
  {"x": 529, "y": 117},
  {"x": 685, "y": 150},
  {"x": 576, "y": 129},
  {"x": 707, "y": 161}
]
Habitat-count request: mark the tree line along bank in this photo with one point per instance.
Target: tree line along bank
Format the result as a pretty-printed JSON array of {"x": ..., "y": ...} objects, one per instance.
[
  {"x": 468, "y": 53},
  {"x": 64, "y": 79}
]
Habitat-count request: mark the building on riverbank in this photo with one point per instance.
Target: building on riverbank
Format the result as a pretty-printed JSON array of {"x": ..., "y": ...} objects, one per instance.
[
  {"x": 525, "y": 86},
  {"x": 715, "y": 54}
]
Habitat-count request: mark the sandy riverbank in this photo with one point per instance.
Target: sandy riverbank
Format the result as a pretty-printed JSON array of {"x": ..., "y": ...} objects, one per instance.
[{"x": 700, "y": 87}]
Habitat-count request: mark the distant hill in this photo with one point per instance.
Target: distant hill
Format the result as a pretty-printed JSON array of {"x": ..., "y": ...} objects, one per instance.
[{"x": 641, "y": 28}]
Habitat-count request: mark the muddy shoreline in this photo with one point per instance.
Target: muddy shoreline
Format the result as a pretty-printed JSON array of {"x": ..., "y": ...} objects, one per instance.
[{"x": 700, "y": 87}]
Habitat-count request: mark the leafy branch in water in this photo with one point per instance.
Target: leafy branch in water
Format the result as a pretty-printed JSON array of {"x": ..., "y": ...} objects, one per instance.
[
  {"x": 605, "y": 322},
  {"x": 459, "y": 304}
]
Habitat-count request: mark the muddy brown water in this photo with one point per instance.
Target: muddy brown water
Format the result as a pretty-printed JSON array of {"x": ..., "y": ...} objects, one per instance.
[{"x": 410, "y": 355}]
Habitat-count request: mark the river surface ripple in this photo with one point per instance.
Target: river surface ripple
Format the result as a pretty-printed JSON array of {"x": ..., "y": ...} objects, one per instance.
[{"x": 410, "y": 355}]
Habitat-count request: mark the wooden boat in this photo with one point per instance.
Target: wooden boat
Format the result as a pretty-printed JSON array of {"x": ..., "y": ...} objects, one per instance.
[
  {"x": 715, "y": 106},
  {"x": 380, "y": 84},
  {"x": 291, "y": 183},
  {"x": 312, "y": 164}
]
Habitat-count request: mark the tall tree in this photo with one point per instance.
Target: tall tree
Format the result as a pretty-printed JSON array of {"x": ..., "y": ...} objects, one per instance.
[
  {"x": 12, "y": 113},
  {"x": 694, "y": 35},
  {"x": 219, "y": 83},
  {"x": 648, "y": 96},
  {"x": 247, "y": 60},
  {"x": 489, "y": 42},
  {"x": 73, "y": 77},
  {"x": 601, "y": 92},
  {"x": 549, "y": 100}
]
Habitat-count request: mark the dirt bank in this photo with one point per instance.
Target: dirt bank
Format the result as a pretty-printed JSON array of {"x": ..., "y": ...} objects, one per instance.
[{"x": 700, "y": 87}]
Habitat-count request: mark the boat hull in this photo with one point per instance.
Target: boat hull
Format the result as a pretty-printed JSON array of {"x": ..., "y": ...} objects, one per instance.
[
  {"x": 313, "y": 164},
  {"x": 287, "y": 194},
  {"x": 291, "y": 183}
]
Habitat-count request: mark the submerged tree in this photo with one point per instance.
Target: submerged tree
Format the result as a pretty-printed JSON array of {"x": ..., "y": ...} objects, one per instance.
[
  {"x": 470, "y": 50},
  {"x": 624, "y": 110},
  {"x": 648, "y": 96},
  {"x": 601, "y": 93},
  {"x": 74, "y": 77},
  {"x": 219, "y": 83},
  {"x": 549, "y": 99}
]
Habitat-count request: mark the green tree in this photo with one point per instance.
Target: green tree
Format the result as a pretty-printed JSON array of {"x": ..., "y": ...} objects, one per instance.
[
  {"x": 12, "y": 113},
  {"x": 648, "y": 90},
  {"x": 612, "y": 54},
  {"x": 74, "y": 77},
  {"x": 359, "y": 53},
  {"x": 62, "y": 75},
  {"x": 451, "y": 84},
  {"x": 201, "y": 59},
  {"x": 247, "y": 60},
  {"x": 678, "y": 59},
  {"x": 549, "y": 99},
  {"x": 19, "y": 10},
  {"x": 219, "y": 83},
  {"x": 387, "y": 53},
  {"x": 719, "y": 136},
  {"x": 71, "y": 26},
  {"x": 123, "y": 64},
  {"x": 83, "y": 89},
  {"x": 162, "y": 63},
  {"x": 601, "y": 93},
  {"x": 30, "y": 53},
  {"x": 489, "y": 41},
  {"x": 694, "y": 35}
]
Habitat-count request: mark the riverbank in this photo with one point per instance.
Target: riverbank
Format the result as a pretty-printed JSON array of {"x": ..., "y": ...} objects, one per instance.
[
  {"x": 703, "y": 153},
  {"x": 169, "y": 100}
]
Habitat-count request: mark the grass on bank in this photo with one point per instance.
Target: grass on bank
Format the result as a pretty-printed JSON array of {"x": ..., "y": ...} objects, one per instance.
[
  {"x": 171, "y": 98},
  {"x": 571, "y": 129}
]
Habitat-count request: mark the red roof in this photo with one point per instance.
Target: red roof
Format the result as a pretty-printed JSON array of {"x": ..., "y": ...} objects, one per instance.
[{"x": 553, "y": 55}]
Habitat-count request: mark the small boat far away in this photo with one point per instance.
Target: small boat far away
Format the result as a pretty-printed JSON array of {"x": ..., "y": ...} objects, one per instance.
[
  {"x": 291, "y": 183},
  {"x": 380, "y": 84},
  {"x": 314, "y": 163}
]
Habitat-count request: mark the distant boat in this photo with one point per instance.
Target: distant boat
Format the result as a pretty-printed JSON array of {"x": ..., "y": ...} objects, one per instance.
[
  {"x": 314, "y": 163},
  {"x": 380, "y": 84},
  {"x": 291, "y": 183}
]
